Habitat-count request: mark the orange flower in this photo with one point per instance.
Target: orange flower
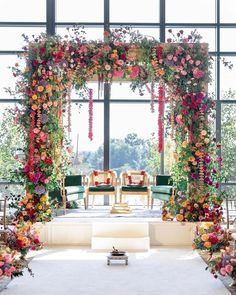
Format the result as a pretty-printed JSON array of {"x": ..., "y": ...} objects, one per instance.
[
  {"x": 198, "y": 153},
  {"x": 207, "y": 244},
  {"x": 179, "y": 217},
  {"x": 205, "y": 206},
  {"x": 34, "y": 107},
  {"x": 205, "y": 237},
  {"x": 201, "y": 200},
  {"x": 161, "y": 72},
  {"x": 33, "y": 83},
  {"x": 40, "y": 88}
]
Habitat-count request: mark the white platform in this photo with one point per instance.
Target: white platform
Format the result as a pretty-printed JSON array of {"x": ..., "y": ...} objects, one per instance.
[
  {"x": 72, "y": 231},
  {"x": 121, "y": 235}
]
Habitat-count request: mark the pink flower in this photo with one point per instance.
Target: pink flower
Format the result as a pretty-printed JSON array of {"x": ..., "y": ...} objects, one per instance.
[
  {"x": 134, "y": 72},
  {"x": 223, "y": 271},
  {"x": 8, "y": 258},
  {"x": 191, "y": 61},
  {"x": 182, "y": 61},
  {"x": 1, "y": 263},
  {"x": 229, "y": 268},
  {"x": 160, "y": 61},
  {"x": 188, "y": 57},
  {"x": 107, "y": 67},
  {"x": 183, "y": 72},
  {"x": 118, "y": 74},
  {"x": 197, "y": 62},
  {"x": 116, "y": 43},
  {"x": 1, "y": 272},
  {"x": 36, "y": 130},
  {"x": 169, "y": 56},
  {"x": 177, "y": 76},
  {"x": 175, "y": 58},
  {"x": 120, "y": 62},
  {"x": 197, "y": 74}
]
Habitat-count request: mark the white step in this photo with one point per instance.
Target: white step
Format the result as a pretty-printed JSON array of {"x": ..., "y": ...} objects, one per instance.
[{"x": 123, "y": 236}]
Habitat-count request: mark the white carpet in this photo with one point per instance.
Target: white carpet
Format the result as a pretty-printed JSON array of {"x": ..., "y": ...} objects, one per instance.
[{"x": 81, "y": 271}]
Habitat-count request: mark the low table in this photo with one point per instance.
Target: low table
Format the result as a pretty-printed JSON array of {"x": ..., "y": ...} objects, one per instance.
[{"x": 117, "y": 257}]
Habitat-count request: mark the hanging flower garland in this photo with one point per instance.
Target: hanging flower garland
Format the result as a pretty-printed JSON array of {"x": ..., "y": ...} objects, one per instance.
[
  {"x": 161, "y": 99},
  {"x": 90, "y": 129}
]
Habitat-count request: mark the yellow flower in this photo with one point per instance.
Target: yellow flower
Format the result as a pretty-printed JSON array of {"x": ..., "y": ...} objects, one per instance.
[
  {"x": 43, "y": 198},
  {"x": 34, "y": 96},
  {"x": 49, "y": 211},
  {"x": 203, "y": 132},
  {"x": 206, "y": 140},
  {"x": 40, "y": 207}
]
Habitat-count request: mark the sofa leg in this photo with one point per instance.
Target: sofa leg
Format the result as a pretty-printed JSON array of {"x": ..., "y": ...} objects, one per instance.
[{"x": 152, "y": 203}]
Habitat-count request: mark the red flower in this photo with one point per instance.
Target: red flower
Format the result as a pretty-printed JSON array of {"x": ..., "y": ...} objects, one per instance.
[
  {"x": 59, "y": 54},
  {"x": 42, "y": 50}
]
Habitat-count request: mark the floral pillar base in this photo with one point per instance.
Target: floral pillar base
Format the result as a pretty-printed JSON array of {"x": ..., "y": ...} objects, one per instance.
[
  {"x": 4, "y": 281},
  {"x": 233, "y": 284}
]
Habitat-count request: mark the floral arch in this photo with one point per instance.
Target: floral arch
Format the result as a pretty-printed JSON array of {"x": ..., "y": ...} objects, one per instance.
[{"x": 176, "y": 72}]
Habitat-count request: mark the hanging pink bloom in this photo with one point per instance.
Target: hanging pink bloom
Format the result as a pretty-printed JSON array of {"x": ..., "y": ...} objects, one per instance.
[{"x": 134, "y": 72}]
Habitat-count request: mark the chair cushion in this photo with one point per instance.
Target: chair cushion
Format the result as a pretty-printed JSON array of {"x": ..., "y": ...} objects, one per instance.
[
  {"x": 134, "y": 188},
  {"x": 165, "y": 189},
  {"x": 102, "y": 188},
  {"x": 161, "y": 196},
  {"x": 70, "y": 190}
]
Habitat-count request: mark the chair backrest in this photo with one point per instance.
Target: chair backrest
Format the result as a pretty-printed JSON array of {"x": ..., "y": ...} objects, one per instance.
[
  {"x": 163, "y": 180},
  {"x": 74, "y": 180},
  {"x": 98, "y": 177},
  {"x": 134, "y": 177}
]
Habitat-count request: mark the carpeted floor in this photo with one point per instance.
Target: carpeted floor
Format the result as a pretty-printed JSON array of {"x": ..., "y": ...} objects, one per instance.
[{"x": 81, "y": 271}]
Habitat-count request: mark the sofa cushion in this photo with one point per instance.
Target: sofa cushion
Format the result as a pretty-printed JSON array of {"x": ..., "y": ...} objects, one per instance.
[
  {"x": 134, "y": 188},
  {"x": 70, "y": 190},
  {"x": 166, "y": 189},
  {"x": 161, "y": 196}
]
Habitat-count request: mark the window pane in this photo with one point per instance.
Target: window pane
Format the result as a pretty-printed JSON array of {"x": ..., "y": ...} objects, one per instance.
[
  {"x": 228, "y": 127},
  {"x": 227, "y": 40},
  {"x": 13, "y": 39},
  {"x": 79, "y": 11},
  {"x": 91, "y": 33},
  {"x": 123, "y": 91},
  {"x": 227, "y": 77},
  {"x": 208, "y": 35},
  {"x": 23, "y": 10},
  {"x": 132, "y": 128},
  {"x": 190, "y": 11},
  {"x": 227, "y": 11},
  {"x": 90, "y": 153},
  {"x": 6, "y": 77},
  {"x": 134, "y": 11}
]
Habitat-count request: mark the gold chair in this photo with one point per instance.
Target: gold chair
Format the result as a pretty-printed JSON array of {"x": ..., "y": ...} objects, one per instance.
[
  {"x": 101, "y": 183},
  {"x": 135, "y": 183}
]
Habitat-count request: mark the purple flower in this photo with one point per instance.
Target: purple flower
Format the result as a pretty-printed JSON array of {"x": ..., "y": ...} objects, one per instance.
[
  {"x": 217, "y": 185},
  {"x": 194, "y": 176},
  {"x": 214, "y": 170},
  {"x": 44, "y": 118},
  {"x": 36, "y": 177},
  {"x": 39, "y": 189},
  {"x": 207, "y": 160}
]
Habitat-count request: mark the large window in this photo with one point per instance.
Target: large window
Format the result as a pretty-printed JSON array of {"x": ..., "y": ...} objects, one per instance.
[{"x": 117, "y": 109}]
